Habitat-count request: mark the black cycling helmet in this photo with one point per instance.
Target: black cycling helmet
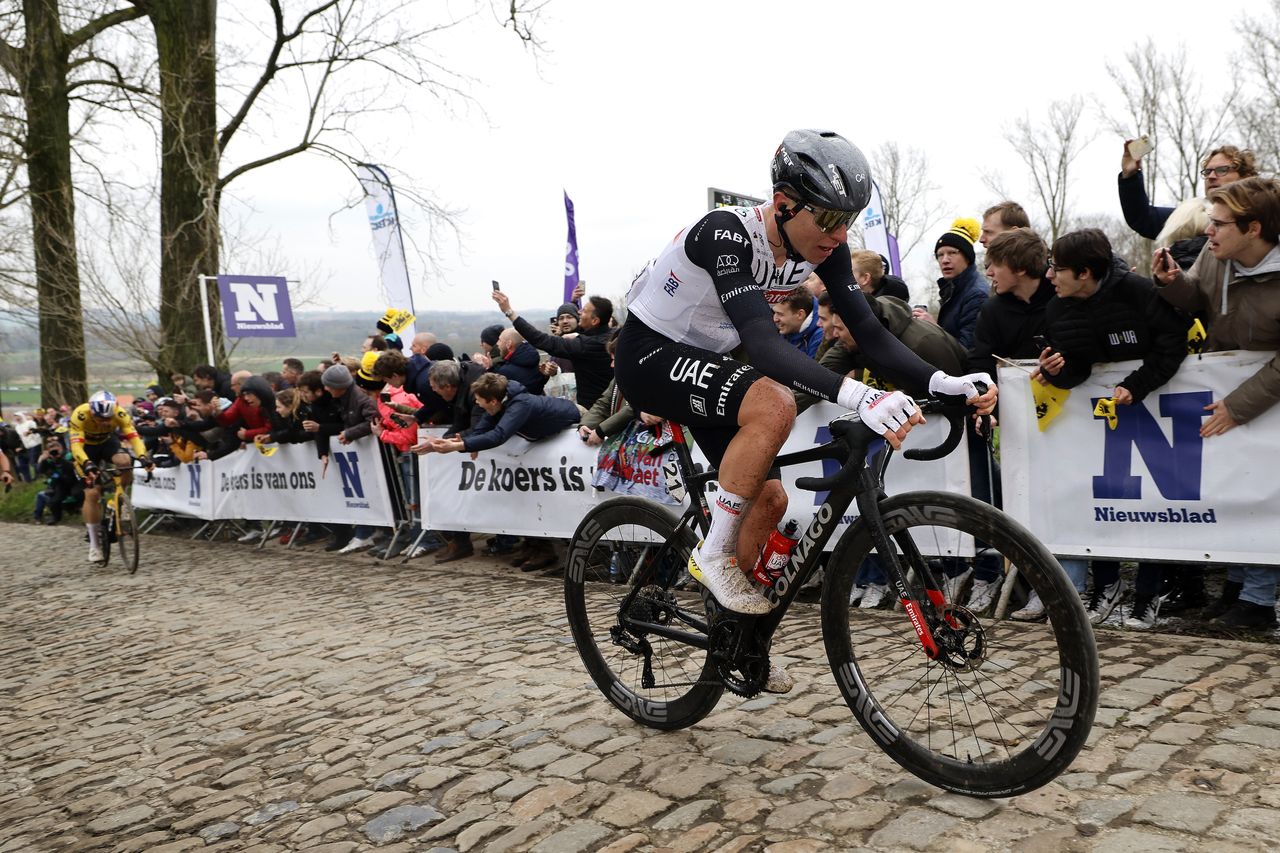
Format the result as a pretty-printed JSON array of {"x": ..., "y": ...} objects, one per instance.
[{"x": 823, "y": 169}]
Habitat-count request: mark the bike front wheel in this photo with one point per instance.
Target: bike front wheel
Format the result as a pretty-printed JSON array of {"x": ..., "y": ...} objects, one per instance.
[
  {"x": 127, "y": 534},
  {"x": 1003, "y": 707},
  {"x": 641, "y": 637}
]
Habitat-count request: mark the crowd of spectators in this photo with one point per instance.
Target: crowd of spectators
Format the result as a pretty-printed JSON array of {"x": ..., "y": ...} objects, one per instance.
[{"x": 1067, "y": 307}]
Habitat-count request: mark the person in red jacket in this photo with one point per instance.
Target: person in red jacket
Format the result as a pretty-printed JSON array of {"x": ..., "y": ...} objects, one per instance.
[{"x": 250, "y": 415}]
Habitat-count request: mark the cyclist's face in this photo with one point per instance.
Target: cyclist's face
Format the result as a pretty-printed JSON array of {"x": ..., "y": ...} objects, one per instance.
[{"x": 814, "y": 244}]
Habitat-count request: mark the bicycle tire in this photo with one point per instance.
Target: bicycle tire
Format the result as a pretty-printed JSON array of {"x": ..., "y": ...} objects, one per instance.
[
  {"x": 127, "y": 534},
  {"x": 654, "y": 548},
  {"x": 105, "y": 531},
  {"x": 1016, "y": 719}
]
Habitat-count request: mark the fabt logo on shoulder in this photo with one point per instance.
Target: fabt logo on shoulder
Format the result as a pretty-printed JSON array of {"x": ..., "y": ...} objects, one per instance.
[
  {"x": 256, "y": 306},
  {"x": 1174, "y": 463}
]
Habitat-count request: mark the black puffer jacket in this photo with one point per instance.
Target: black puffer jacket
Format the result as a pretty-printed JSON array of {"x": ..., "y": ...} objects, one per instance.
[
  {"x": 1007, "y": 328},
  {"x": 522, "y": 366},
  {"x": 1125, "y": 319}
]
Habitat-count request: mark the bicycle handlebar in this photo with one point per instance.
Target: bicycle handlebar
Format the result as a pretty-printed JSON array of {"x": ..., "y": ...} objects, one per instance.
[{"x": 857, "y": 436}]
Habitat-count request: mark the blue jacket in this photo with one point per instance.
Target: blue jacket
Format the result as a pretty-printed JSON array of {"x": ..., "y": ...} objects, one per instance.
[
  {"x": 809, "y": 338},
  {"x": 527, "y": 415},
  {"x": 962, "y": 300},
  {"x": 522, "y": 366},
  {"x": 415, "y": 382}
]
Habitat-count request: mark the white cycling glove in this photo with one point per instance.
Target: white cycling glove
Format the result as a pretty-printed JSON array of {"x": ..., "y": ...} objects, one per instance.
[
  {"x": 879, "y": 410},
  {"x": 958, "y": 386}
]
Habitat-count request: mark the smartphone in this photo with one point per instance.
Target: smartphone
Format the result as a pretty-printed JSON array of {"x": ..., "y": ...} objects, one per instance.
[
  {"x": 1140, "y": 147},
  {"x": 495, "y": 285},
  {"x": 385, "y": 396},
  {"x": 1041, "y": 342},
  {"x": 1166, "y": 260}
]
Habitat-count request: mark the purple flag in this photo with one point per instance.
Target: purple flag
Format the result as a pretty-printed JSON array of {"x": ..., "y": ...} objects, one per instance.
[
  {"x": 256, "y": 306},
  {"x": 570, "y": 253}
]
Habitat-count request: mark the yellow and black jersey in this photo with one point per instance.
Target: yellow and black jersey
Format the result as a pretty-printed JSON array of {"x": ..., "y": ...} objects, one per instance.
[{"x": 86, "y": 429}]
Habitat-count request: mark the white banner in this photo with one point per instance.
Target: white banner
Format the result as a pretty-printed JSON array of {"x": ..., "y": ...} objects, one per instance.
[
  {"x": 1151, "y": 488},
  {"x": 184, "y": 490},
  {"x": 293, "y": 485},
  {"x": 388, "y": 243},
  {"x": 544, "y": 488}
]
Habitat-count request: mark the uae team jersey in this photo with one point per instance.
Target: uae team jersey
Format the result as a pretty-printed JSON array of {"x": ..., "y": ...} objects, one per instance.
[
  {"x": 711, "y": 287},
  {"x": 676, "y": 295}
]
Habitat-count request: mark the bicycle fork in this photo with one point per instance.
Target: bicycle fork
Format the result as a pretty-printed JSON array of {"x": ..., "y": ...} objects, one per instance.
[{"x": 868, "y": 507}]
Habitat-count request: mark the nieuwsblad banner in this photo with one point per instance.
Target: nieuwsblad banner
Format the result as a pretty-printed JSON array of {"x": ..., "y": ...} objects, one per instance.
[
  {"x": 183, "y": 490},
  {"x": 289, "y": 485},
  {"x": 1151, "y": 488},
  {"x": 544, "y": 488}
]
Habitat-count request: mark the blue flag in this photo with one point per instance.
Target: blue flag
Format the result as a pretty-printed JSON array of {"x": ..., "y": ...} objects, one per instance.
[{"x": 570, "y": 253}]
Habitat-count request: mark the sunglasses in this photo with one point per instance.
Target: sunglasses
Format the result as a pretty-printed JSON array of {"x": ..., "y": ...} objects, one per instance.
[
  {"x": 829, "y": 220},
  {"x": 1217, "y": 170}
]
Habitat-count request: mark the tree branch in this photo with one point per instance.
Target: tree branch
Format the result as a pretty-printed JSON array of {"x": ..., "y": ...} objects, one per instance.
[{"x": 97, "y": 25}]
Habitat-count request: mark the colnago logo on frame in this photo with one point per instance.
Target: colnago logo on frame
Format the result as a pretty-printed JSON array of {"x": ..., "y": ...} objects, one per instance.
[
  {"x": 256, "y": 306},
  {"x": 1174, "y": 463}
]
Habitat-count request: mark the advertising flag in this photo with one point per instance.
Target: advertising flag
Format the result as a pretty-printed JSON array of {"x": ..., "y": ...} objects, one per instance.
[
  {"x": 388, "y": 242},
  {"x": 255, "y": 306},
  {"x": 570, "y": 253},
  {"x": 875, "y": 229}
]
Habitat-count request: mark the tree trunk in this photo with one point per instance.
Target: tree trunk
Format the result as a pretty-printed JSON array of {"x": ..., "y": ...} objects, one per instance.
[
  {"x": 189, "y": 160},
  {"x": 53, "y": 207}
]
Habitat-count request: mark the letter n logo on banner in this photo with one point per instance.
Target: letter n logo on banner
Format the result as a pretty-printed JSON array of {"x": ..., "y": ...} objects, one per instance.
[
  {"x": 349, "y": 468},
  {"x": 1175, "y": 466},
  {"x": 194, "y": 471}
]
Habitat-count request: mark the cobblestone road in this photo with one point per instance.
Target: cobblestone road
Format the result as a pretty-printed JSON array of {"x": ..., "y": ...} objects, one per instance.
[{"x": 246, "y": 700}]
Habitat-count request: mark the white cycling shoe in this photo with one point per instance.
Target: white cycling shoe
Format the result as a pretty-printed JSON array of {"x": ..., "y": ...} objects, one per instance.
[
  {"x": 778, "y": 680},
  {"x": 721, "y": 576},
  {"x": 95, "y": 554}
]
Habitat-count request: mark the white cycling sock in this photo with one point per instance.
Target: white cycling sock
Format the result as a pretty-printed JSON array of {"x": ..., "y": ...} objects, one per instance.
[
  {"x": 726, "y": 518},
  {"x": 94, "y": 531}
]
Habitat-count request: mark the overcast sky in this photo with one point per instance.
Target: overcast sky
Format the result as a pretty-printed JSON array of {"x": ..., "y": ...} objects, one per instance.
[{"x": 636, "y": 109}]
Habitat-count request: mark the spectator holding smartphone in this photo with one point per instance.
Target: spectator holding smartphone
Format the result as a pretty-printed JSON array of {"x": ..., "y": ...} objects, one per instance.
[{"x": 1235, "y": 287}]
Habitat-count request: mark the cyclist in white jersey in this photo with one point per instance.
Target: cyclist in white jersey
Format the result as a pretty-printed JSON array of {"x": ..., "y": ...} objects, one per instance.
[{"x": 709, "y": 291}]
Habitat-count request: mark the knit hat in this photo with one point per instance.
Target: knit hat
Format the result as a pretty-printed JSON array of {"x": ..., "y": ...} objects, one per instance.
[
  {"x": 439, "y": 352},
  {"x": 489, "y": 334},
  {"x": 568, "y": 308},
  {"x": 962, "y": 235},
  {"x": 337, "y": 376},
  {"x": 366, "y": 366}
]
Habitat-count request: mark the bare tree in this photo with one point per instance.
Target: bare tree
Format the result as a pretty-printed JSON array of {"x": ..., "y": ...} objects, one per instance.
[
  {"x": 308, "y": 53},
  {"x": 1259, "y": 114},
  {"x": 41, "y": 67},
  {"x": 1164, "y": 100},
  {"x": 1047, "y": 150},
  {"x": 907, "y": 193}
]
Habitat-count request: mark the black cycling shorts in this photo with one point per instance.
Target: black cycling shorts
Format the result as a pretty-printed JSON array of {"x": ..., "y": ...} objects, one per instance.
[
  {"x": 102, "y": 452},
  {"x": 694, "y": 387}
]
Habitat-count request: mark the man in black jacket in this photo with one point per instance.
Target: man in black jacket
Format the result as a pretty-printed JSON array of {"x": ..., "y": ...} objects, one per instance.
[
  {"x": 1104, "y": 312},
  {"x": 1007, "y": 326},
  {"x": 592, "y": 365}
]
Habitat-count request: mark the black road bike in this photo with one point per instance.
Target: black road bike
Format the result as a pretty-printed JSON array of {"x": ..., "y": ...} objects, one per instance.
[{"x": 979, "y": 706}]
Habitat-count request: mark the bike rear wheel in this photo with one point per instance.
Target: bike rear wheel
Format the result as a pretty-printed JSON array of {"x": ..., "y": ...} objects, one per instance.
[
  {"x": 658, "y": 681},
  {"x": 127, "y": 534},
  {"x": 1006, "y": 706}
]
